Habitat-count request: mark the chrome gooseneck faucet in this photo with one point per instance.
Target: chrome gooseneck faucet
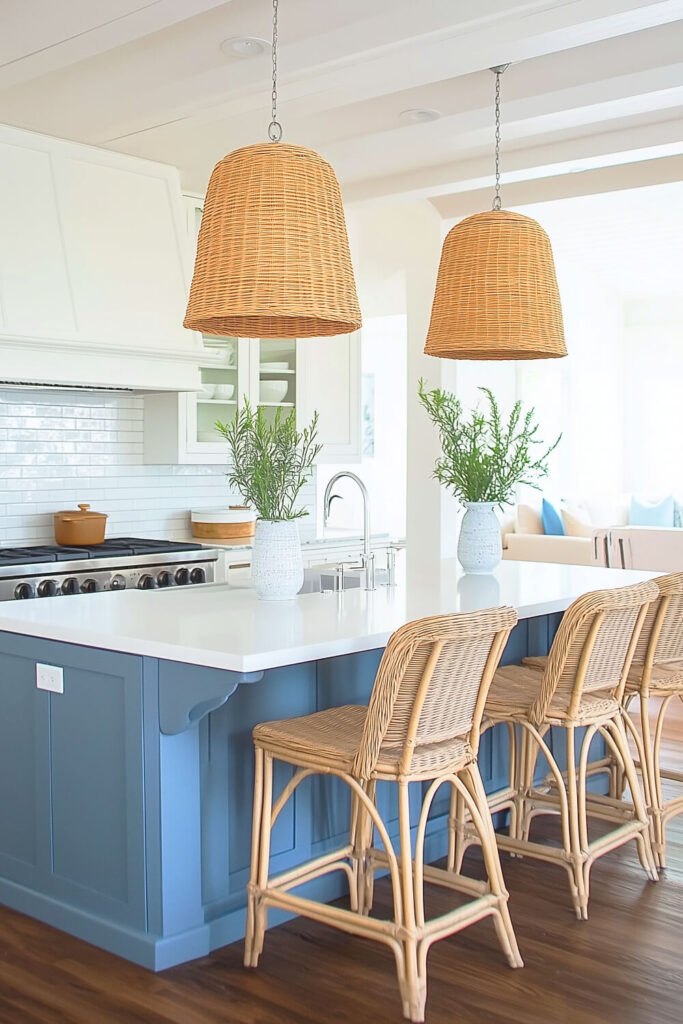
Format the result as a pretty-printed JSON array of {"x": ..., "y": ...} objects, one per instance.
[{"x": 367, "y": 558}]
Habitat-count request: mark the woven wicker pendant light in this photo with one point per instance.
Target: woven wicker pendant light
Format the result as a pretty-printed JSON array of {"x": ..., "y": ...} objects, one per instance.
[
  {"x": 496, "y": 292},
  {"x": 273, "y": 256}
]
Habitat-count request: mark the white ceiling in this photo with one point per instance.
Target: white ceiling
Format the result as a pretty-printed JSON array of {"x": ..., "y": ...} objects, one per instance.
[{"x": 594, "y": 84}]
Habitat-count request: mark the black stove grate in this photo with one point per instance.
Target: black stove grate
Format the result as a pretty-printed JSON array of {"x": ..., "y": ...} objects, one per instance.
[{"x": 116, "y": 547}]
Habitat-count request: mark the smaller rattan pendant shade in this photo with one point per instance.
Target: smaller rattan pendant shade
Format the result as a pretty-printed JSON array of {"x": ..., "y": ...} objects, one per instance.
[
  {"x": 496, "y": 292},
  {"x": 273, "y": 255}
]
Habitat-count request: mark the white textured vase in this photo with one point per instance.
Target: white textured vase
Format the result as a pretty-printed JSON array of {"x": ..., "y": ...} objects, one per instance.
[
  {"x": 479, "y": 545},
  {"x": 277, "y": 568}
]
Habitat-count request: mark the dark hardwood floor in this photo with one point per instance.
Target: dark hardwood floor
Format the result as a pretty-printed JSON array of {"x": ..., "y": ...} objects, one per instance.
[{"x": 623, "y": 966}]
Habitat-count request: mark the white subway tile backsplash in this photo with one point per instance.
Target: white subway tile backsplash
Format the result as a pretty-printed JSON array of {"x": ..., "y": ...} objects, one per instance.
[{"x": 58, "y": 451}]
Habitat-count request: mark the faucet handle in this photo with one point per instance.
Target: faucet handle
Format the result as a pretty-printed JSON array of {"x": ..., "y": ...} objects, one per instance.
[
  {"x": 368, "y": 563},
  {"x": 391, "y": 565}
]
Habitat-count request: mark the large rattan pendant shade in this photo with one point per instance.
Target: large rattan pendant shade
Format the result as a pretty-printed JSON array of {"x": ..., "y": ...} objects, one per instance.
[
  {"x": 496, "y": 292},
  {"x": 273, "y": 255}
]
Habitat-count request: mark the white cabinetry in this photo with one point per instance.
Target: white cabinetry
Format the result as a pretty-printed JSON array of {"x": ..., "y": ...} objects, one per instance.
[
  {"x": 328, "y": 382},
  {"x": 179, "y": 428},
  {"x": 308, "y": 375},
  {"x": 93, "y": 267}
]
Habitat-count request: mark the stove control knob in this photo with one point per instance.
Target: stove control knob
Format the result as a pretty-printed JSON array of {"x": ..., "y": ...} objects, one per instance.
[
  {"x": 165, "y": 579},
  {"x": 198, "y": 575},
  {"x": 89, "y": 586},
  {"x": 47, "y": 588},
  {"x": 71, "y": 585},
  {"x": 23, "y": 591},
  {"x": 117, "y": 582},
  {"x": 182, "y": 576},
  {"x": 146, "y": 582}
]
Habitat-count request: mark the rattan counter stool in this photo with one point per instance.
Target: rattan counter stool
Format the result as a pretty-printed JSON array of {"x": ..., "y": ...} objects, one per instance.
[
  {"x": 422, "y": 725},
  {"x": 579, "y": 685}
]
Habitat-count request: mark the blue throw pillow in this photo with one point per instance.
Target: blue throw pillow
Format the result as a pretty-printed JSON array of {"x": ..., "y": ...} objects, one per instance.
[
  {"x": 552, "y": 520},
  {"x": 661, "y": 514}
]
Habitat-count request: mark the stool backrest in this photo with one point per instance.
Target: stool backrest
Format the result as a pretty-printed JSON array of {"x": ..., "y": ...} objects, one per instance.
[
  {"x": 661, "y": 638},
  {"x": 432, "y": 683},
  {"x": 593, "y": 647}
]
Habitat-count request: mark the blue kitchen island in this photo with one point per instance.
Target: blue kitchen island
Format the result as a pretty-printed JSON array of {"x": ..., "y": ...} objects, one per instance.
[{"x": 125, "y": 799}]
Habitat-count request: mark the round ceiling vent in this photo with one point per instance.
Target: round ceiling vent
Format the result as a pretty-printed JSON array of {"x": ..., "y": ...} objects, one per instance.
[
  {"x": 245, "y": 47},
  {"x": 419, "y": 115}
]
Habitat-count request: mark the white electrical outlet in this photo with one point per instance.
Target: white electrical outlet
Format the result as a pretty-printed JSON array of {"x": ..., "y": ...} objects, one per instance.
[{"x": 50, "y": 677}]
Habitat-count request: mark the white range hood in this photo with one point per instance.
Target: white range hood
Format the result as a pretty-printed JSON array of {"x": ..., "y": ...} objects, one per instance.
[{"x": 94, "y": 265}]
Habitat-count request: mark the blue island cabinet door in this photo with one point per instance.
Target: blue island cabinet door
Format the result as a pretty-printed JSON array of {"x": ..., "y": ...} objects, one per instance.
[
  {"x": 78, "y": 807},
  {"x": 24, "y": 769}
]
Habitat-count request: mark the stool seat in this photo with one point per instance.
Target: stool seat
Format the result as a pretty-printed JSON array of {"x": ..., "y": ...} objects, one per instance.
[
  {"x": 515, "y": 689},
  {"x": 665, "y": 678},
  {"x": 332, "y": 738},
  {"x": 327, "y": 738}
]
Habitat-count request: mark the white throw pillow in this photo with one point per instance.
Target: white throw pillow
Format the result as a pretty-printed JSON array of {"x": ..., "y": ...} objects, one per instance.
[
  {"x": 577, "y": 521},
  {"x": 607, "y": 511},
  {"x": 529, "y": 520}
]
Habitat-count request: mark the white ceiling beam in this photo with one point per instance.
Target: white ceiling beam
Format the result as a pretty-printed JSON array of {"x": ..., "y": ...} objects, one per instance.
[
  {"x": 586, "y": 183},
  {"x": 588, "y": 104},
  {"x": 95, "y": 32},
  {"x": 418, "y": 60},
  {"x": 557, "y": 155}
]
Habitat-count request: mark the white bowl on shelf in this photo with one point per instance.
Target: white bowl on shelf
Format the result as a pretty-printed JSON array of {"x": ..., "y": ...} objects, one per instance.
[
  {"x": 274, "y": 367},
  {"x": 273, "y": 390},
  {"x": 224, "y": 391},
  {"x": 207, "y": 390}
]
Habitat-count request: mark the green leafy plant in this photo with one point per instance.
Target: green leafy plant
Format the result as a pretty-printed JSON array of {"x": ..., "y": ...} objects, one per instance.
[
  {"x": 483, "y": 458},
  {"x": 271, "y": 460}
]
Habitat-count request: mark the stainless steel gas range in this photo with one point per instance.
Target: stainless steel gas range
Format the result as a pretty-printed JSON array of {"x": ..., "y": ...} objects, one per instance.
[{"x": 120, "y": 563}]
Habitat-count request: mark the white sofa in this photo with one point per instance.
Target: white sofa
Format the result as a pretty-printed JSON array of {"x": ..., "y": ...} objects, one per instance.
[
  {"x": 529, "y": 547},
  {"x": 597, "y": 534}
]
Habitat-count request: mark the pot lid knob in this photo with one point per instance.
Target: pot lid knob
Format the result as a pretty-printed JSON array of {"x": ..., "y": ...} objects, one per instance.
[{"x": 84, "y": 508}]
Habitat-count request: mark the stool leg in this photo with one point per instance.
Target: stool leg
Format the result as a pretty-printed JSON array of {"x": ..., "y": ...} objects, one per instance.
[
  {"x": 575, "y": 852},
  {"x": 456, "y": 832},
  {"x": 645, "y": 854},
  {"x": 525, "y": 784},
  {"x": 514, "y": 768},
  {"x": 361, "y": 838},
  {"x": 250, "y": 960},
  {"x": 652, "y": 755},
  {"x": 501, "y": 919},
  {"x": 260, "y": 913},
  {"x": 413, "y": 983}
]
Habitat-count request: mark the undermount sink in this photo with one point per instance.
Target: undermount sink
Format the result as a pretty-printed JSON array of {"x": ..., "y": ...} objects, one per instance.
[{"x": 324, "y": 577}]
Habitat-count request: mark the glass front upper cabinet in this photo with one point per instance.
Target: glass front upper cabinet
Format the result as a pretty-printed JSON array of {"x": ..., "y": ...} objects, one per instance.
[
  {"x": 273, "y": 376},
  {"x": 224, "y": 384}
]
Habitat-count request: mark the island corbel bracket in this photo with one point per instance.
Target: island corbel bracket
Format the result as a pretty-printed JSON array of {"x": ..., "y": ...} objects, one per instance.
[{"x": 189, "y": 692}]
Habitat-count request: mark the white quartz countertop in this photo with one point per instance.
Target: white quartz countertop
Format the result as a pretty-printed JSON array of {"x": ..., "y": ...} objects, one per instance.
[{"x": 227, "y": 627}]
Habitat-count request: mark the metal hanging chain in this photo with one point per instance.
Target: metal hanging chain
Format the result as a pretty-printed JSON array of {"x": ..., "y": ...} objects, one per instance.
[
  {"x": 498, "y": 71},
  {"x": 274, "y": 128}
]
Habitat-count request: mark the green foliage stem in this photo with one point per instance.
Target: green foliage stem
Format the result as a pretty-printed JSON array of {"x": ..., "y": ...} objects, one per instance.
[
  {"x": 271, "y": 461},
  {"x": 483, "y": 458}
]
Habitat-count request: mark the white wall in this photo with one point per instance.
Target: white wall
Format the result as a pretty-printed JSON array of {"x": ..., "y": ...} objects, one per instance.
[
  {"x": 652, "y": 377},
  {"x": 59, "y": 449},
  {"x": 396, "y": 249},
  {"x": 383, "y": 470}
]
